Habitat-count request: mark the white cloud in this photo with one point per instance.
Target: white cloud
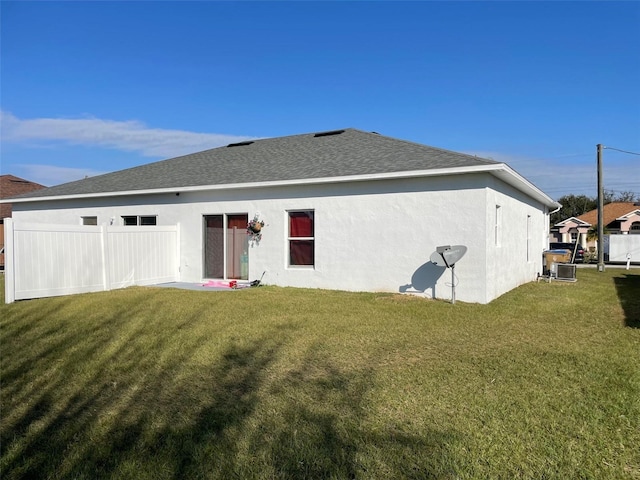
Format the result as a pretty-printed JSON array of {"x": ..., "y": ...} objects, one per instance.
[
  {"x": 130, "y": 136},
  {"x": 49, "y": 175}
]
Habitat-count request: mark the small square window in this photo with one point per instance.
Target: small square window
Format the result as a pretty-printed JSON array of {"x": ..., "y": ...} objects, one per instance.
[
  {"x": 130, "y": 220},
  {"x": 148, "y": 220},
  {"x": 89, "y": 220}
]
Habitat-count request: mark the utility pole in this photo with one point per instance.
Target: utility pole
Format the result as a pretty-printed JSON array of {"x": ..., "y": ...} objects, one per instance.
[{"x": 600, "y": 212}]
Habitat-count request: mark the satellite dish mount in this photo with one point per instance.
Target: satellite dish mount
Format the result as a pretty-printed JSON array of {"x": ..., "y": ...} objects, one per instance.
[{"x": 447, "y": 256}]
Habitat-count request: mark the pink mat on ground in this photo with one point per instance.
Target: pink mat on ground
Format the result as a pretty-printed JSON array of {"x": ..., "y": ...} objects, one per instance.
[{"x": 221, "y": 284}]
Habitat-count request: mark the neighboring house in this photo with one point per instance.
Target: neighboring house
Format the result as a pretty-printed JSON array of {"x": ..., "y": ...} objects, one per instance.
[
  {"x": 10, "y": 186},
  {"x": 344, "y": 209},
  {"x": 618, "y": 218}
]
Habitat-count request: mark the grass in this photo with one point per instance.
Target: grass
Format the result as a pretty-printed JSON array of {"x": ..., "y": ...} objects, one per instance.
[{"x": 275, "y": 383}]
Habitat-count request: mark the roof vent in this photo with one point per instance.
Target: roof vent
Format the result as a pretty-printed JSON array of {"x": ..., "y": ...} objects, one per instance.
[
  {"x": 326, "y": 134},
  {"x": 239, "y": 144}
]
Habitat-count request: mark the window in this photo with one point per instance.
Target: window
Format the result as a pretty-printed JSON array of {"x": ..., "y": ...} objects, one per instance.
[
  {"x": 148, "y": 220},
  {"x": 301, "y": 238},
  {"x": 129, "y": 220},
  {"x": 635, "y": 227},
  {"x": 89, "y": 220}
]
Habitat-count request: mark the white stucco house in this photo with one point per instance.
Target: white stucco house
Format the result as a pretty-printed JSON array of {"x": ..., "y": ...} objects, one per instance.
[{"x": 343, "y": 209}]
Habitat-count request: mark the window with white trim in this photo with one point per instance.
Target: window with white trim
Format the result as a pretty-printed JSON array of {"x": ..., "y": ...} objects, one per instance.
[
  {"x": 301, "y": 238},
  {"x": 129, "y": 220},
  {"x": 89, "y": 220}
]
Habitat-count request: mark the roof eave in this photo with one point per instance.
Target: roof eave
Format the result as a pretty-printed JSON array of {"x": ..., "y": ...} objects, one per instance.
[
  {"x": 580, "y": 223},
  {"x": 626, "y": 216},
  {"x": 513, "y": 178},
  {"x": 500, "y": 170}
]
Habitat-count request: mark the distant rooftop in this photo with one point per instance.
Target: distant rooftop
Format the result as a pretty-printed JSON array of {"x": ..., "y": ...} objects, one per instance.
[{"x": 11, "y": 186}]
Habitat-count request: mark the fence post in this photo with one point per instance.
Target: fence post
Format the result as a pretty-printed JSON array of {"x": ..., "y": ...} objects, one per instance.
[
  {"x": 178, "y": 274},
  {"x": 104, "y": 243},
  {"x": 9, "y": 257}
]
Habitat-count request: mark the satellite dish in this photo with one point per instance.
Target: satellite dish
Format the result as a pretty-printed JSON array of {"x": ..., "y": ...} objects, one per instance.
[{"x": 447, "y": 256}]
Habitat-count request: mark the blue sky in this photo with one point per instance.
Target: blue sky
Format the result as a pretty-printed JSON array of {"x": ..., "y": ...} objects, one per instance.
[{"x": 94, "y": 87}]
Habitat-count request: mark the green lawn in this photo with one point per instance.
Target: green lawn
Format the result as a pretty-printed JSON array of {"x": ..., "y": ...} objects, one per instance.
[{"x": 270, "y": 383}]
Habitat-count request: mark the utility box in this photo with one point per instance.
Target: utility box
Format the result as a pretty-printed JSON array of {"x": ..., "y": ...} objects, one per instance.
[
  {"x": 554, "y": 256},
  {"x": 565, "y": 271}
]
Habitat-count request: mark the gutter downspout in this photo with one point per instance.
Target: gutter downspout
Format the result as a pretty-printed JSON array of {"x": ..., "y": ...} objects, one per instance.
[{"x": 549, "y": 228}]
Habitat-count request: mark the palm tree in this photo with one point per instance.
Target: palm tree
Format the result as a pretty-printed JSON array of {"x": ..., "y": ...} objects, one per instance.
[{"x": 592, "y": 235}]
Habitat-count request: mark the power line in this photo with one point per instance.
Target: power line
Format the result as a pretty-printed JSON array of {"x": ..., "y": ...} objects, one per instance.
[
  {"x": 612, "y": 187},
  {"x": 623, "y": 151}
]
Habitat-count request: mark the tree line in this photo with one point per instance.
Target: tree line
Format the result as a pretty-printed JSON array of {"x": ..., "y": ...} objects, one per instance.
[{"x": 576, "y": 205}]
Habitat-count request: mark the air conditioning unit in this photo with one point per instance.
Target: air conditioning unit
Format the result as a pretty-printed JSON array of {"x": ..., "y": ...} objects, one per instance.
[{"x": 565, "y": 271}]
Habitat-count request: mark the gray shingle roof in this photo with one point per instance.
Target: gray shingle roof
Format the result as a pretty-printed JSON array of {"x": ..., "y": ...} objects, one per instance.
[{"x": 296, "y": 157}]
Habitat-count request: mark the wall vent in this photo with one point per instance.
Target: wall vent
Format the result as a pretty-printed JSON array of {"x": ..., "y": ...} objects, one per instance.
[
  {"x": 326, "y": 134},
  {"x": 239, "y": 144}
]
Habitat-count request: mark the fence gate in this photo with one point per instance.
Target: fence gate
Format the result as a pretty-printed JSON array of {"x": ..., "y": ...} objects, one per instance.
[{"x": 48, "y": 260}]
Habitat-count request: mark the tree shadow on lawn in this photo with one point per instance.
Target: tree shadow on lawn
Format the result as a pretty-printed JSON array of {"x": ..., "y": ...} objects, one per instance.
[
  {"x": 206, "y": 419},
  {"x": 105, "y": 425},
  {"x": 31, "y": 379},
  {"x": 325, "y": 430},
  {"x": 116, "y": 418},
  {"x": 628, "y": 288}
]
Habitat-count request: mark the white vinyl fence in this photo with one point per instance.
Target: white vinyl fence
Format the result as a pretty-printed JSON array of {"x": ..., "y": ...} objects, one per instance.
[
  {"x": 621, "y": 248},
  {"x": 49, "y": 260}
]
